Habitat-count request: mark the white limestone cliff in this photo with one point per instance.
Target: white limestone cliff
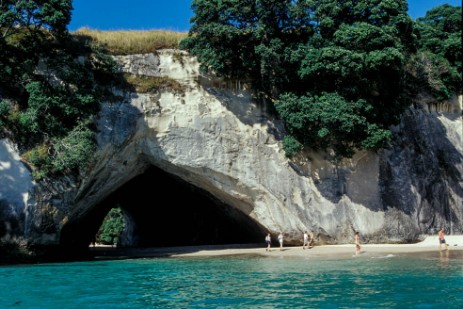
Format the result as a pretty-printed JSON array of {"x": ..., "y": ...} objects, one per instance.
[{"x": 217, "y": 138}]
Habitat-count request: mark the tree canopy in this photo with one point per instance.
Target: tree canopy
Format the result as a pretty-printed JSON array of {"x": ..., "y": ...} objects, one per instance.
[
  {"x": 345, "y": 59},
  {"x": 339, "y": 73},
  {"x": 439, "y": 65},
  {"x": 34, "y": 15},
  {"x": 112, "y": 227},
  {"x": 48, "y": 96}
]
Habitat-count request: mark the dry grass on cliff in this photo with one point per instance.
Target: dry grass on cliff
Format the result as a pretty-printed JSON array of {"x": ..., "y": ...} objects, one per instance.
[{"x": 129, "y": 42}]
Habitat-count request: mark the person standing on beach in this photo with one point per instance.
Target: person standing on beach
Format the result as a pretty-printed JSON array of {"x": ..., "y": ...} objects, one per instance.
[
  {"x": 357, "y": 243},
  {"x": 311, "y": 240},
  {"x": 268, "y": 241},
  {"x": 280, "y": 240},
  {"x": 442, "y": 239},
  {"x": 305, "y": 241}
]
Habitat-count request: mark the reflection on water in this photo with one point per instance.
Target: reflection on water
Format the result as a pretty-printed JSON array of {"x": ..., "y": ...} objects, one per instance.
[
  {"x": 429, "y": 280},
  {"x": 444, "y": 257}
]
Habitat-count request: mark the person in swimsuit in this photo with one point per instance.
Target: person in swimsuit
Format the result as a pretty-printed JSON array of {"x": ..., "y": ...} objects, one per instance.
[
  {"x": 358, "y": 247},
  {"x": 311, "y": 240},
  {"x": 268, "y": 241},
  {"x": 305, "y": 240},
  {"x": 442, "y": 239}
]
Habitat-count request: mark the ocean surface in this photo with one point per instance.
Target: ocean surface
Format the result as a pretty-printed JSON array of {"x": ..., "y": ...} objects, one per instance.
[{"x": 390, "y": 281}]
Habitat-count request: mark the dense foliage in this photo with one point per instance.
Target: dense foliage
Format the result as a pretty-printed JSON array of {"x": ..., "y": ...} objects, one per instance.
[
  {"x": 34, "y": 15},
  {"x": 339, "y": 73},
  {"x": 439, "y": 64},
  {"x": 112, "y": 227},
  {"x": 48, "y": 93},
  {"x": 335, "y": 70}
]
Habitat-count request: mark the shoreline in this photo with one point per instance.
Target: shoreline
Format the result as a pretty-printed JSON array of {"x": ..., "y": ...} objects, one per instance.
[{"x": 428, "y": 247}]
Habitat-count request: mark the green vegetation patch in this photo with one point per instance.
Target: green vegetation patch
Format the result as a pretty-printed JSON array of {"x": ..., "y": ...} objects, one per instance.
[
  {"x": 144, "y": 84},
  {"x": 339, "y": 73},
  {"x": 112, "y": 227}
]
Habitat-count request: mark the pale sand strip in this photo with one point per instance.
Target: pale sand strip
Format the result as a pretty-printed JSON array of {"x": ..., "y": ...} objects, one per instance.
[{"x": 427, "y": 247}]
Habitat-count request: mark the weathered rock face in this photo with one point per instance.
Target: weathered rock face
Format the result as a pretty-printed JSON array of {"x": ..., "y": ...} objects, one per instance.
[
  {"x": 15, "y": 184},
  {"x": 214, "y": 139}
]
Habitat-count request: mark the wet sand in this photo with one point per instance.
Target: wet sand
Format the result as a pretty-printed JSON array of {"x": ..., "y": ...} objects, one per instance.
[{"x": 428, "y": 247}]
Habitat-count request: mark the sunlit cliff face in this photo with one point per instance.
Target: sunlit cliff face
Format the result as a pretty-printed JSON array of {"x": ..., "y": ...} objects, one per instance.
[{"x": 219, "y": 175}]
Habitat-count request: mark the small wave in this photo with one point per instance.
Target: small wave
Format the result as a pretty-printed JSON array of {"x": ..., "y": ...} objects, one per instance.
[{"x": 383, "y": 257}]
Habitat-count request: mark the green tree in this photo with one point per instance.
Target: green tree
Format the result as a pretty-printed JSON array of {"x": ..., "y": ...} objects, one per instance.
[
  {"x": 112, "y": 227},
  {"x": 26, "y": 29},
  {"x": 34, "y": 15},
  {"x": 329, "y": 121},
  {"x": 24, "y": 25},
  {"x": 249, "y": 39},
  {"x": 439, "y": 32},
  {"x": 347, "y": 54},
  {"x": 48, "y": 96},
  {"x": 438, "y": 64}
]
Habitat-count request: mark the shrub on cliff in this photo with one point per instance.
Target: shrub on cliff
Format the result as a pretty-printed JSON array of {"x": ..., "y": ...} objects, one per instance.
[
  {"x": 51, "y": 87},
  {"x": 305, "y": 55},
  {"x": 438, "y": 64}
]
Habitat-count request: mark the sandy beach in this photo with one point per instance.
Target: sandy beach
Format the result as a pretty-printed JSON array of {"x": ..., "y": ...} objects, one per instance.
[{"x": 428, "y": 247}]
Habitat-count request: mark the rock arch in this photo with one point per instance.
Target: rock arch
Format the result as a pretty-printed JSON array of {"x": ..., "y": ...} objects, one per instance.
[{"x": 164, "y": 210}]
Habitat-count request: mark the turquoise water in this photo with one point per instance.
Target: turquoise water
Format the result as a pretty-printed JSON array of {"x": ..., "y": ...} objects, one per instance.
[{"x": 238, "y": 282}]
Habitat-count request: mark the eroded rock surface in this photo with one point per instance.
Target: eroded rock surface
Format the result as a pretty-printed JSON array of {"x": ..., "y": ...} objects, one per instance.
[{"x": 214, "y": 137}]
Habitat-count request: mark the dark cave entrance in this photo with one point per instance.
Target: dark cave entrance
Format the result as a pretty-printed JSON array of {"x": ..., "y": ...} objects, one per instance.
[{"x": 162, "y": 210}]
